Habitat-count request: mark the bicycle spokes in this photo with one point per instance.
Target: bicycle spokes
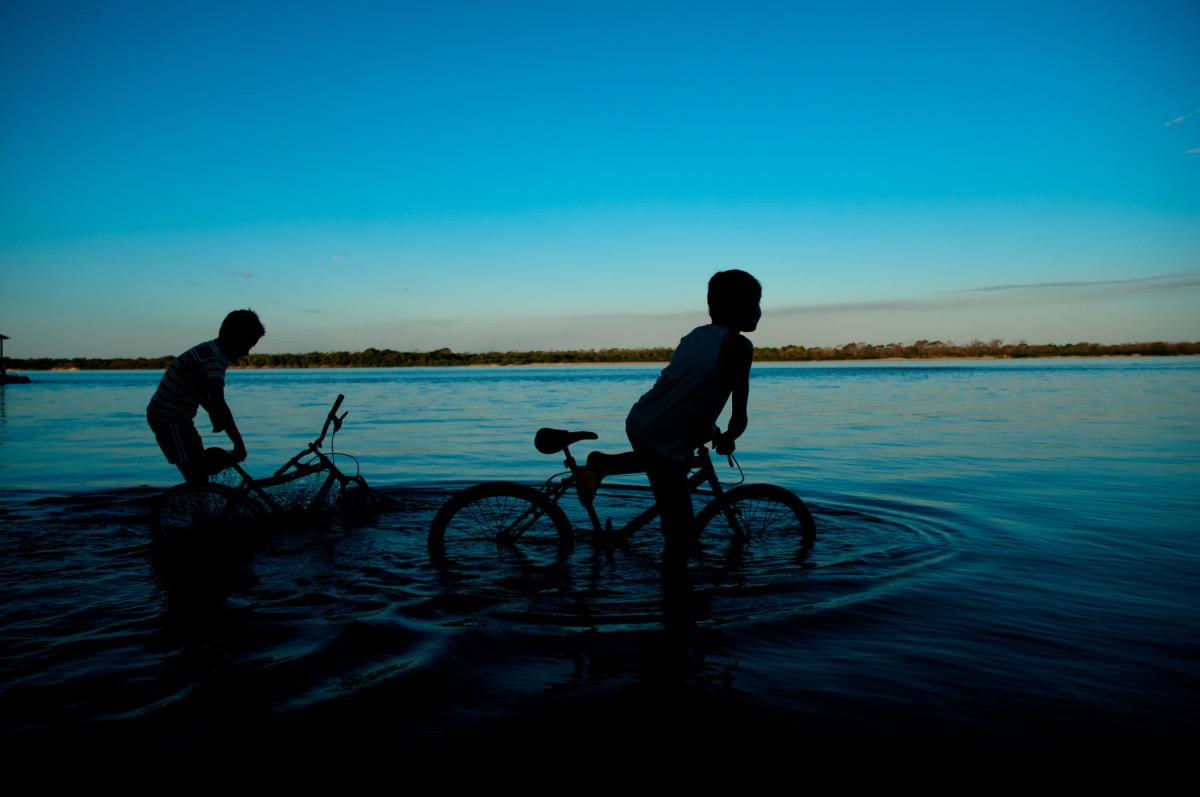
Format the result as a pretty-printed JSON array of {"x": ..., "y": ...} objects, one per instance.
[
  {"x": 762, "y": 518},
  {"x": 756, "y": 519},
  {"x": 504, "y": 517}
]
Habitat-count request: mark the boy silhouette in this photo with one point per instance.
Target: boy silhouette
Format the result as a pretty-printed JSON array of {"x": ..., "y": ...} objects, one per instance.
[
  {"x": 197, "y": 379},
  {"x": 680, "y": 412}
]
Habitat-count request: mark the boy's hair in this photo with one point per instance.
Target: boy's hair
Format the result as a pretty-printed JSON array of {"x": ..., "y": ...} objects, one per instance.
[
  {"x": 727, "y": 289},
  {"x": 242, "y": 326}
]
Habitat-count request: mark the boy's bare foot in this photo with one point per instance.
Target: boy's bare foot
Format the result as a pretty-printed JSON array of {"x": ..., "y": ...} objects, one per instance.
[{"x": 587, "y": 481}]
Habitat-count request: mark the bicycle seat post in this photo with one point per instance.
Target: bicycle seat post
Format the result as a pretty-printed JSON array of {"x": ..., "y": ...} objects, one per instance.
[
  {"x": 602, "y": 533},
  {"x": 569, "y": 461}
]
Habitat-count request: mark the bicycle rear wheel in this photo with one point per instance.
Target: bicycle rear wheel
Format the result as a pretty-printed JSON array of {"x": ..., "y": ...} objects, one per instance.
[
  {"x": 356, "y": 501},
  {"x": 188, "y": 512},
  {"x": 762, "y": 521},
  {"x": 499, "y": 524}
]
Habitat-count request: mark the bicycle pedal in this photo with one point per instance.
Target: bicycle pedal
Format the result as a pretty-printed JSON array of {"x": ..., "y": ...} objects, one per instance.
[
  {"x": 607, "y": 537},
  {"x": 605, "y": 541}
]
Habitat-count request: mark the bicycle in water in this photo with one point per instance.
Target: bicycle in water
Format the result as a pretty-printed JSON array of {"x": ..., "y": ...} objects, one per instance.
[
  {"x": 188, "y": 511},
  {"x": 505, "y": 519}
]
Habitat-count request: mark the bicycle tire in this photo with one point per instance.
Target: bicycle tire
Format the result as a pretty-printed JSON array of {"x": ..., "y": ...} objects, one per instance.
[
  {"x": 190, "y": 512},
  {"x": 357, "y": 501},
  {"x": 772, "y": 522},
  {"x": 499, "y": 523}
]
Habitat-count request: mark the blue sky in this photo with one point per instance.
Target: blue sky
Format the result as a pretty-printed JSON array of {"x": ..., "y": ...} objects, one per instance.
[{"x": 562, "y": 175}]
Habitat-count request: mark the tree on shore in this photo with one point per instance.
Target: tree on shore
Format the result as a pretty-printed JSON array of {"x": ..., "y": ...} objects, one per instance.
[{"x": 389, "y": 358}]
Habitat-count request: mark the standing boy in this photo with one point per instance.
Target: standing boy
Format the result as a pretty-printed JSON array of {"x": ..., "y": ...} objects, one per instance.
[
  {"x": 679, "y": 413},
  {"x": 197, "y": 379}
]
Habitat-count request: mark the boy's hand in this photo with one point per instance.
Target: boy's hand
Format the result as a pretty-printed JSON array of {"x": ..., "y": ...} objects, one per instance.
[
  {"x": 724, "y": 444},
  {"x": 239, "y": 453}
]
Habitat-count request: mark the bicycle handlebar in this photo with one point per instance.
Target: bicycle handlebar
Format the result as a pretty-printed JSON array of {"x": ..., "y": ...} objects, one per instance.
[
  {"x": 716, "y": 434},
  {"x": 333, "y": 418}
]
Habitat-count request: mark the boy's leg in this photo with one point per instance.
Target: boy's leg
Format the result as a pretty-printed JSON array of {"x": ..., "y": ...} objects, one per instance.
[
  {"x": 183, "y": 448},
  {"x": 668, "y": 482},
  {"x": 192, "y": 472}
]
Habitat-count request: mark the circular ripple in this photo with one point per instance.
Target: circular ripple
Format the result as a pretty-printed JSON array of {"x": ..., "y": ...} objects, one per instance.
[{"x": 863, "y": 547}]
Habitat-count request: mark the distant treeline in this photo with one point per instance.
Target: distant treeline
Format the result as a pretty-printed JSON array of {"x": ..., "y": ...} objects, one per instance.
[{"x": 387, "y": 358}]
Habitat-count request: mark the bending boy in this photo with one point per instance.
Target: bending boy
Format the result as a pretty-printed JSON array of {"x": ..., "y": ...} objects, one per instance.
[{"x": 197, "y": 379}]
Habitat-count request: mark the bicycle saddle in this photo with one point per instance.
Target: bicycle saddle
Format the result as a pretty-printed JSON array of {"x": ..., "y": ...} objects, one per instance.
[{"x": 551, "y": 441}]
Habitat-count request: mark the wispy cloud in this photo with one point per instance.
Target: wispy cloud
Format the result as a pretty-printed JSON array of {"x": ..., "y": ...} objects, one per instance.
[
  {"x": 1195, "y": 151},
  {"x": 922, "y": 305},
  {"x": 1179, "y": 119},
  {"x": 991, "y": 295},
  {"x": 243, "y": 274},
  {"x": 1059, "y": 310},
  {"x": 312, "y": 311},
  {"x": 1195, "y": 277},
  {"x": 338, "y": 258}
]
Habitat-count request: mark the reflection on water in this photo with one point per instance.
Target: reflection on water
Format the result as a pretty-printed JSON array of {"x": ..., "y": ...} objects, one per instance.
[
  {"x": 311, "y": 616},
  {"x": 1005, "y": 558}
]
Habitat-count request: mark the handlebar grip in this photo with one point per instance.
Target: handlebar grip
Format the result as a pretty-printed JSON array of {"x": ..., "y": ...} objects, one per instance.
[
  {"x": 716, "y": 433},
  {"x": 331, "y": 418}
]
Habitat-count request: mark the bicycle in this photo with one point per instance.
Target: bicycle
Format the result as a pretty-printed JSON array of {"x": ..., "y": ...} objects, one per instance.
[
  {"x": 184, "y": 509},
  {"x": 511, "y": 519}
]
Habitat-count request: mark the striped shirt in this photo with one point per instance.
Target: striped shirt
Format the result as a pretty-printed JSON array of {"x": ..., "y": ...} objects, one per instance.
[{"x": 185, "y": 383}]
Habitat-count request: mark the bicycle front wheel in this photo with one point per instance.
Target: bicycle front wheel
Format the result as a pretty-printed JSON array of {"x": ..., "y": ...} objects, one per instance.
[
  {"x": 192, "y": 512},
  {"x": 760, "y": 520},
  {"x": 498, "y": 523}
]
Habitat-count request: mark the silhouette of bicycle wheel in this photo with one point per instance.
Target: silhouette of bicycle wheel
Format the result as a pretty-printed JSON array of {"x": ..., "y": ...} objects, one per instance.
[
  {"x": 189, "y": 513},
  {"x": 759, "y": 522},
  {"x": 495, "y": 525}
]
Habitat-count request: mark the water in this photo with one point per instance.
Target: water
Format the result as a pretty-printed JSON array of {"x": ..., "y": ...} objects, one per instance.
[{"x": 1006, "y": 559}]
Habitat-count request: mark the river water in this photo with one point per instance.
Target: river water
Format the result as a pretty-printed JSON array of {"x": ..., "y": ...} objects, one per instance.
[{"x": 1007, "y": 558}]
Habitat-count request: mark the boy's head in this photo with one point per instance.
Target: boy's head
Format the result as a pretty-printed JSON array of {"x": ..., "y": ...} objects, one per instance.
[
  {"x": 240, "y": 330},
  {"x": 733, "y": 298}
]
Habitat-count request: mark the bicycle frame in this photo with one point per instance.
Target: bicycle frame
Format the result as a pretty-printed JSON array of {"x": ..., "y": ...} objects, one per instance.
[
  {"x": 295, "y": 469},
  {"x": 506, "y": 513},
  {"x": 555, "y": 488}
]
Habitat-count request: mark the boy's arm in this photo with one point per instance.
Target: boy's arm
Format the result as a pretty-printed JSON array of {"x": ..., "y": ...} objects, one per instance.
[
  {"x": 222, "y": 418},
  {"x": 736, "y": 366}
]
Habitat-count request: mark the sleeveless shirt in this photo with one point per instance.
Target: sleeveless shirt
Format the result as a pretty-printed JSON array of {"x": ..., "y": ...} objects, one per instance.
[{"x": 678, "y": 413}]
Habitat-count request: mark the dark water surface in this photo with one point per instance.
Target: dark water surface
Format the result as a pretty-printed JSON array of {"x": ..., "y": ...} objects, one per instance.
[{"x": 1007, "y": 558}]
